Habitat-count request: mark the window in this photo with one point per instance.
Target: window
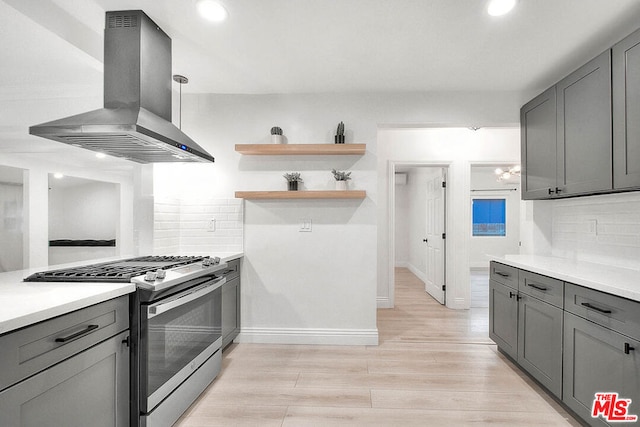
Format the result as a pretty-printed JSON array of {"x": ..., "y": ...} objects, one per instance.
[{"x": 489, "y": 217}]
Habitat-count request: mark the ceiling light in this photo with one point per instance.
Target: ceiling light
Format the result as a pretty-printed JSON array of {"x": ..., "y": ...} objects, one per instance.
[
  {"x": 500, "y": 7},
  {"x": 101, "y": 155},
  {"x": 58, "y": 175},
  {"x": 211, "y": 10},
  {"x": 513, "y": 172}
]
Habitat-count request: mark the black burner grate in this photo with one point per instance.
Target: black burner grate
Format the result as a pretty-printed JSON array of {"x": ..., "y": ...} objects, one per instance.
[{"x": 114, "y": 271}]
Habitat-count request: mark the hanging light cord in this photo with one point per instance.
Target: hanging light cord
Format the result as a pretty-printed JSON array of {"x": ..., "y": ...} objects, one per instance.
[{"x": 182, "y": 80}]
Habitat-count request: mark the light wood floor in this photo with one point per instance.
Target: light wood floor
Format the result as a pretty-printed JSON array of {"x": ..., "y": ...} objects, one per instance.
[{"x": 433, "y": 367}]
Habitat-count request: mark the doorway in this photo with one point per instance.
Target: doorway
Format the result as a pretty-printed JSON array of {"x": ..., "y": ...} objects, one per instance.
[
  {"x": 495, "y": 223},
  {"x": 419, "y": 212}
]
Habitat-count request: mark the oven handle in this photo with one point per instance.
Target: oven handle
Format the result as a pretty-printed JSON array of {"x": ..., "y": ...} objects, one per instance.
[{"x": 157, "y": 309}]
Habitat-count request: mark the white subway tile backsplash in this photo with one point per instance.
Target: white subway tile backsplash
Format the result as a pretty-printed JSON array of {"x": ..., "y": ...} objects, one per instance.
[
  {"x": 181, "y": 226},
  {"x": 604, "y": 229}
]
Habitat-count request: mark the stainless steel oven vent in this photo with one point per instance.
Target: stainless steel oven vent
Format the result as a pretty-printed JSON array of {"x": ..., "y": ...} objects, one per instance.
[{"x": 135, "y": 122}]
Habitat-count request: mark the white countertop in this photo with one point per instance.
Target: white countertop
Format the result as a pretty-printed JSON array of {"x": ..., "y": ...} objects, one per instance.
[
  {"x": 25, "y": 303},
  {"x": 624, "y": 282}
]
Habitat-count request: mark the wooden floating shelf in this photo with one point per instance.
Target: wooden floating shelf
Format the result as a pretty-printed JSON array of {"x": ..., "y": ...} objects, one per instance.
[
  {"x": 301, "y": 149},
  {"x": 307, "y": 194}
]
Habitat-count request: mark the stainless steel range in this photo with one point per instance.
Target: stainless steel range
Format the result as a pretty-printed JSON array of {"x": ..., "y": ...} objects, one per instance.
[{"x": 176, "y": 328}]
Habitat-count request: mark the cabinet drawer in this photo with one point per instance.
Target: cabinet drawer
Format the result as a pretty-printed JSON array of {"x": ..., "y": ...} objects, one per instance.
[
  {"x": 613, "y": 312},
  {"x": 233, "y": 269},
  {"x": 504, "y": 274},
  {"x": 30, "y": 350},
  {"x": 542, "y": 287}
]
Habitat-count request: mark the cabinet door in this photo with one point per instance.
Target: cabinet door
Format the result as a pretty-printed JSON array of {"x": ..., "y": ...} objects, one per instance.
[
  {"x": 626, "y": 112},
  {"x": 540, "y": 342},
  {"x": 538, "y": 127},
  {"x": 584, "y": 147},
  {"x": 88, "y": 389},
  {"x": 230, "y": 311},
  {"x": 595, "y": 361},
  {"x": 503, "y": 317}
]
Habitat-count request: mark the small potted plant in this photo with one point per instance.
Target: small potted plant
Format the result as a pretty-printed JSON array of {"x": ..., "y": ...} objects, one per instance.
[
  {"x": 341, "y": 178},
  {"x": 276, "y": 135},
  {"x": 293, "y": 179},
  {"x": 340, "y": 133}
]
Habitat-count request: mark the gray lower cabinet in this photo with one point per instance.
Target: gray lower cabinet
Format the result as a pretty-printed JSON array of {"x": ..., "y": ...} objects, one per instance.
[
  {"x": 595, "y": 361},
  {"x": 626, "y": 110},
  {"x": 503, "y": 317},
  {"x": 231, "y": 313},
  {"x": 72, "y": 370},
  {"x": 88, "y": 389},
  {"x": 540, "y": 342}
]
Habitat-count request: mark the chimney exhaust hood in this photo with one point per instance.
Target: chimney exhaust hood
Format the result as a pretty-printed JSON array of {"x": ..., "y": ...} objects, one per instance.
[{"x": 135, "y": 122}]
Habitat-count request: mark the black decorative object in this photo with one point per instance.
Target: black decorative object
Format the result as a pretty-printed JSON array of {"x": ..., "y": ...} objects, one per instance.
[
  {"x": 293, "y": 179},
  {"x": 340, "y": 133},
  {"x": 293, "y": 185}
]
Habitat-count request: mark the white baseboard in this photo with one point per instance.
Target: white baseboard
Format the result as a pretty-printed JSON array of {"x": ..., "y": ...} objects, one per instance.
[
  {"x": 419, "y": 274},
  {"x": 308, "y": 336},
  {"x": 402, "y": 264},
  {"x": 384, "y": 302}
]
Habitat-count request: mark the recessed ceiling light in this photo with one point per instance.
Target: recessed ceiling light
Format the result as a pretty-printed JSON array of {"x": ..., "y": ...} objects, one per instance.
[
  {"x": 211, "y": 10},
  {"x": 500, "y": 7},
  {"x": 101, "y": 155},
  {"x": 58, "y": 175}
]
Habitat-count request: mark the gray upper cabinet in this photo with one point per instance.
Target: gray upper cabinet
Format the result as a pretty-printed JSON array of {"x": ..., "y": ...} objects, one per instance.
[
  {"x": 626, "y": 112},
  {"x": 584, "y": 147},
  {"x": 538, "y": 139}
]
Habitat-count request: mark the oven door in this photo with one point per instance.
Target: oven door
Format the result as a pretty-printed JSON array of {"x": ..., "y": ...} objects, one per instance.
[{"x": 177, "y": 335}]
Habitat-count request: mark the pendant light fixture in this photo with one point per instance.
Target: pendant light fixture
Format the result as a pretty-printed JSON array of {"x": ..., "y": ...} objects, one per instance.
[
  {"x": 500, "y": 7},
  {"x": 183, "y": 81}
]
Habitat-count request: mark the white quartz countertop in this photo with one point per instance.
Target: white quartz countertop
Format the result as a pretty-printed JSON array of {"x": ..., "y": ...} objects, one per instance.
[
  {"x": 25, "y": 303},
  {"x": 623, "y": 282}
]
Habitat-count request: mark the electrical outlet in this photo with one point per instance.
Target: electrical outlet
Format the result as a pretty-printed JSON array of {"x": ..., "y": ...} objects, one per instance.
[
  {"x": 305, "y": 224},
  {"x": 211, "y": 225}
]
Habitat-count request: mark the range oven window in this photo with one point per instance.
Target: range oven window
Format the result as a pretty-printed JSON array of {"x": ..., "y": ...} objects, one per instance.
[{"x": 180, "y": 335}]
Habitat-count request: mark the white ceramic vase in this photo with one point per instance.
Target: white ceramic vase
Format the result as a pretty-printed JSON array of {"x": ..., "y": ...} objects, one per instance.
[{"x": 341, "y": 185}]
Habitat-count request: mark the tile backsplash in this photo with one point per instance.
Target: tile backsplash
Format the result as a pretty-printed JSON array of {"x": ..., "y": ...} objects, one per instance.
[
  {"x": 603, "y": 229},
  {"x": 183, "y": 226}
]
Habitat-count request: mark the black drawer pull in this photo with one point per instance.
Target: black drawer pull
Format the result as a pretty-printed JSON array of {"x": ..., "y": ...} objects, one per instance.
[
  {"x": 593, "y": 307},
  {"x": 77, "y": 334},
  {"x": 628, "y": 348},
  {"x": 500, "y": 273},
  {"x": 511, "y": 294},
  {"x": 538, "y": 287}
]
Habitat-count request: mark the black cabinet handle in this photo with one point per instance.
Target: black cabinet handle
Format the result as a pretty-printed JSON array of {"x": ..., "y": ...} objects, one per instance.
[
  {"x": 538, "y": 287},
  {"x": 425, "y": 240},
  {"x": 77, "y": 334},
  {"x": 593, "y": 307},
  {"x": 551, "y": 191},
  {"x": 511, "y": 294},
  {"x": 628, "y": 348},
  {"x": 500, "y": 273}
]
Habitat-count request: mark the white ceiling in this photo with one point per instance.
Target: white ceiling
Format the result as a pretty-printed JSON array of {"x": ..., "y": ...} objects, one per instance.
[{"x": 307, "y": 46}]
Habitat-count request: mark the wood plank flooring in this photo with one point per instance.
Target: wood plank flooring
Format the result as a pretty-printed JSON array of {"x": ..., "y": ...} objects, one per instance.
[{"x": 433, "y": 367}]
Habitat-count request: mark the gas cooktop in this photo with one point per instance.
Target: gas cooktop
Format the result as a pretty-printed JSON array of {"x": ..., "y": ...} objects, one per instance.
[{"x": 117, "y": 271}]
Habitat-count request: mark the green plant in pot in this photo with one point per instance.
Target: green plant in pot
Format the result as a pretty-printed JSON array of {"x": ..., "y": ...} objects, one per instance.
[
  {"x": 276, "y": 135},
  {"x": 341, "y": 178},
  {"x": 340, "y": 133},
  {"x": 293, "y": 179}
]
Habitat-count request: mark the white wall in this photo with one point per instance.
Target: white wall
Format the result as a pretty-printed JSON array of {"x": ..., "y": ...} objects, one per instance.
[
  {"x": 484, "y": 178},
  {"x": 86, "y": 211},
  {"x": 458, "y": 148},
  {"x": 11, "y": 219},
  {"x": 402, "y": 225}
]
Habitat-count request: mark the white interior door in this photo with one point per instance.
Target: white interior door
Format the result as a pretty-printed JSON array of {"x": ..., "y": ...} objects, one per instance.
[{"x": 435, "y": 239}]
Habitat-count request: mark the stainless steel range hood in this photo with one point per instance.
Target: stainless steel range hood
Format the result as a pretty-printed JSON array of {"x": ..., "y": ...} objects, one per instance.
[{"x": 135, "y": 122}]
